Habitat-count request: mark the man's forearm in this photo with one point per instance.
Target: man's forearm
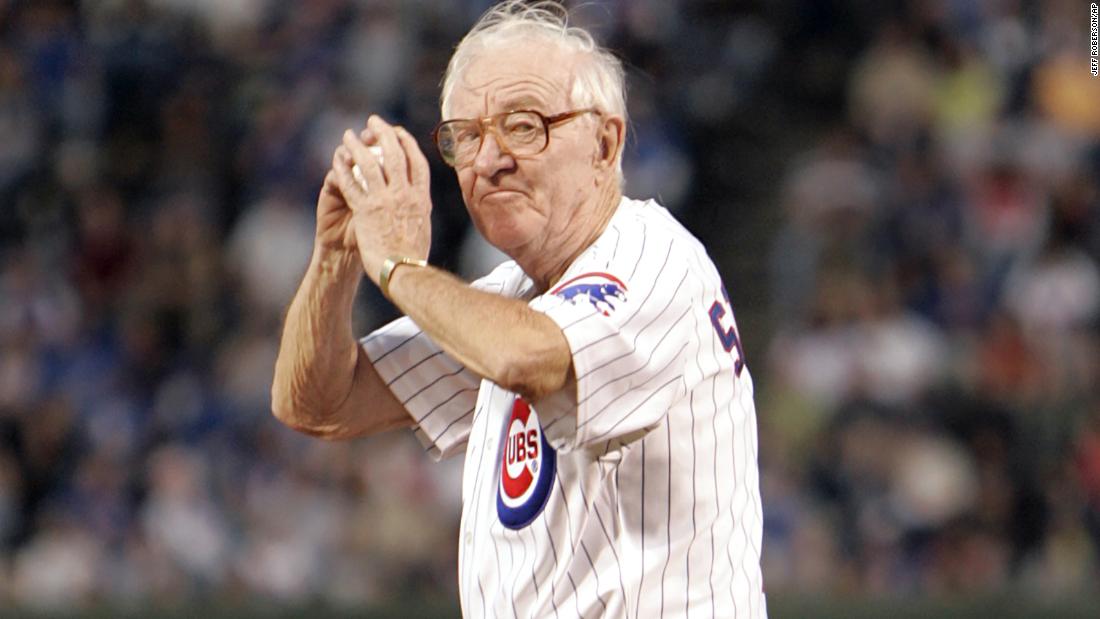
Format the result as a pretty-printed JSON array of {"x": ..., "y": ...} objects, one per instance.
[
  {"x": 496, "y": 337},
  {"x": 318, "y": 353}
]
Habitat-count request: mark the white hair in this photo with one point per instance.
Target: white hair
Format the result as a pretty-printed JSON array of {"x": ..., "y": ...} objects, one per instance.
[{"x": 599, "y": 81}]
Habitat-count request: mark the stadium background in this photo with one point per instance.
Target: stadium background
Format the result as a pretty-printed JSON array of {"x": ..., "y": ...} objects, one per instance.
[{"x": 903, "y": 199}]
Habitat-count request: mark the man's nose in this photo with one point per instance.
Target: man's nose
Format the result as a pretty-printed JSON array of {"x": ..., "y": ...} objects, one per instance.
[{"x": 491, "y": 155}]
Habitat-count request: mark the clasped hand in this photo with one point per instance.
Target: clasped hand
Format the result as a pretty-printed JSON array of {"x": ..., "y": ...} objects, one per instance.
[{"x": 393, "y": 216}]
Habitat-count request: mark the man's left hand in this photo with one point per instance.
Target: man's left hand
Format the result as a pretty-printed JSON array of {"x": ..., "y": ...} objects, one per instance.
[{"x": 393, "y": 218}]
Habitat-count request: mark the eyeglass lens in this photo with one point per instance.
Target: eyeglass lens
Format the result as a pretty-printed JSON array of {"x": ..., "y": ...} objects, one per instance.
[{"x": 521, "y": 133}]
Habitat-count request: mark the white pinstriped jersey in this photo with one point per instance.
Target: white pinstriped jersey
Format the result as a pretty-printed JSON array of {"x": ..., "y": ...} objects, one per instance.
[{"x": 640, "y": 497}]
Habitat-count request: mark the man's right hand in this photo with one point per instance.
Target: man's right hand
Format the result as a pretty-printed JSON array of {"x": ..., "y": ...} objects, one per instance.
[
  {"x": 324, "y": 384},
  {"x": 334, "y": 229}
]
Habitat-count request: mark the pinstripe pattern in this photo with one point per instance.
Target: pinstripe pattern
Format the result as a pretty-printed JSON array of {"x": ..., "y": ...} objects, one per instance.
[{"x": 654, "y": 510}]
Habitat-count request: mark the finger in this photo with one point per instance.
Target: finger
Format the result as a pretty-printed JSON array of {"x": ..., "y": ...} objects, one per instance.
[
  {"x": 368, "y": 164},
  {"x": 345, "y": 180},
  {"x": 331, "y": 185},
  {"x": 393, "y": 160},
  {"x": 418, "y": 169}
]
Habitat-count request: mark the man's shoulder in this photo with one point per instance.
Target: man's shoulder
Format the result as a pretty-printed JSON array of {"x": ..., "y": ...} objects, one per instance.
[
  {"x": 643, "y": 247},
  {"x": 649, "y": 222},
  {"x": 504, "y": 277}
]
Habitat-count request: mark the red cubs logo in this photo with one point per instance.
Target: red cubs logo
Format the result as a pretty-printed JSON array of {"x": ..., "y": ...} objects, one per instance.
[{"x": 527, "y": 468}]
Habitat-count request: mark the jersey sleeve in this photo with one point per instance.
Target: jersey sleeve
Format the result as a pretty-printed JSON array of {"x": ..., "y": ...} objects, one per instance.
[
  {"x": 628, "y": 324},
  {"x": 438, "y": 392}
]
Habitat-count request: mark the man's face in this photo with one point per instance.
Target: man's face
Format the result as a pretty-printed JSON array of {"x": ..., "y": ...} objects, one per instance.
[{"x": 522, "y": 204}]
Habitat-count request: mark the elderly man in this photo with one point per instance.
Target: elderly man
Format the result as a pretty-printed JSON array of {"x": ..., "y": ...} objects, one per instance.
[{"x": 595, "y": 382}]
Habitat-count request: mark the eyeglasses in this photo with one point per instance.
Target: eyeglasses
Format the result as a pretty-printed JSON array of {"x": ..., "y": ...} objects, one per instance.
[{"x": 521, "y": 133}]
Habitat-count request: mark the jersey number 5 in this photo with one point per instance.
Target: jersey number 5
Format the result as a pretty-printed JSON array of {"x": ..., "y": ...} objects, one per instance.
[{"x": 728, "y": 336}]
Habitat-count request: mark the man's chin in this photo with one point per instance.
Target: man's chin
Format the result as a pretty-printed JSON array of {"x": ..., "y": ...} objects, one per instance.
[
  {"x": 507, "y": 242},
  {"x": 505, "y": 236}
]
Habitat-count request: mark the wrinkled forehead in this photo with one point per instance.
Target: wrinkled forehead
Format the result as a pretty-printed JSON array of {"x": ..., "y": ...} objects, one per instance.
[{"x": 507, "y": 77}]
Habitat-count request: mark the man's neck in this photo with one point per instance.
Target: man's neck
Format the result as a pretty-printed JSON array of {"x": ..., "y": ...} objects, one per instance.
[{"x": 547, "y": 267}]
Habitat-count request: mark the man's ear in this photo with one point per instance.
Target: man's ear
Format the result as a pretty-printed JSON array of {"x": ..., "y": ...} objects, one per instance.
[{"x": 610, "y": 135}]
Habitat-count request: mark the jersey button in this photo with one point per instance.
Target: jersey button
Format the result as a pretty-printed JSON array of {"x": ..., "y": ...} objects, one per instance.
[{"x": 469, "y": 538}]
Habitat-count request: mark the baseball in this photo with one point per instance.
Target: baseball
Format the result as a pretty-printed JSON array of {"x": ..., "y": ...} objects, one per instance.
[{"x": 358, "y": 173}]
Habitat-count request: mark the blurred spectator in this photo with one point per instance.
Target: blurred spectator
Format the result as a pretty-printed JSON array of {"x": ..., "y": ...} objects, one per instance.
[
  {"x": 270, "y": 248},
  {"x": 893, "y": 87}
]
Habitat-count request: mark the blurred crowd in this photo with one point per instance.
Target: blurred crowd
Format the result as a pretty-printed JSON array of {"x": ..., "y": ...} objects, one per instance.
[
  {"x": 927, "y": 387},
  {"x": 933, "y": 405},
  {"x": 159, "y": 165}
]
